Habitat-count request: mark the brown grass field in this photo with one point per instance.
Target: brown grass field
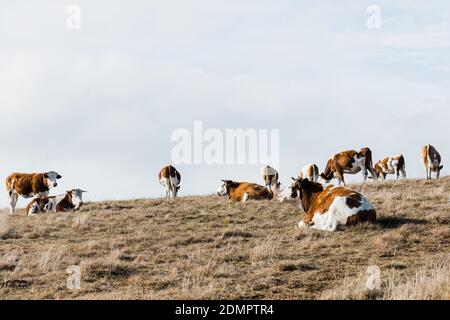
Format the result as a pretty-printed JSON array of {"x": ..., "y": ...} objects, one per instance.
[{"x": 208, "y": 248}]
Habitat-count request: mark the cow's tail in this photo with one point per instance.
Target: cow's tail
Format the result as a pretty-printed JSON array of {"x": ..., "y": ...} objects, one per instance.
[
  {"x": 10, "y": 187},
  {"x": 428, "y": 155},
  {"x": 171, "y": 187}
]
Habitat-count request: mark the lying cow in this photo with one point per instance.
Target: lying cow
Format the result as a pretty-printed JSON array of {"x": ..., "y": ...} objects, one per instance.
[
  {"x": 29, "y": 185},
  {"x": 310, "y": 171},
  {"x": 327, "y": 209},
  {"x": 70, "y": 201},
  {"x": 350, "y": 162},
  {"x": 270, "y": 176},
  {"x": 243, "y": 191},
  {"x": 391, "y": 165},
  {"x": 170, "y": 179},
  {"x": 431, "y": 160}
]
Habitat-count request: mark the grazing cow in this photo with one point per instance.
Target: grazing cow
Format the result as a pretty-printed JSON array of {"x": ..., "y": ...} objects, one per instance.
[
  {"x": 349, "y": 162},
  {"x": 431, "y": 160},
  {"x": 310, "y": 171},
  {"x": 170, "y": 179},
  {"x": 29, "y": 185},
  {"x": 391, "y": 165},
  {"x": 243, "y": 191},
  {"x": 71, "y": 200},
  {"x": 270, "y": 176},
  {"x": 328, "y": 209}
]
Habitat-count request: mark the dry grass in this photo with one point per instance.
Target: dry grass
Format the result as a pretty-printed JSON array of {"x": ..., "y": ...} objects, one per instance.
[{"x": 208, "y": 248}]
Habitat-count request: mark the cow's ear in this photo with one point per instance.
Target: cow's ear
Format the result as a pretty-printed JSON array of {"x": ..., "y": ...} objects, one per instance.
[
  {"x": 83, "y": 191},
  {"x": 58, "y": 176},
  {"x": 293, "y": 179}
]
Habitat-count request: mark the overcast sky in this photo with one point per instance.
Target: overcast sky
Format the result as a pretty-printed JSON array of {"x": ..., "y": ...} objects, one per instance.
[{"x": 99, "y": 105}]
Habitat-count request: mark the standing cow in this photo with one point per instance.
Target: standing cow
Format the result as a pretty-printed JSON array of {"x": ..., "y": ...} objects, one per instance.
[
  {"x": 431, "y": 160},
  {"x": 270, "y": 176},
  {"x": 350, "y": 162},
  {"x": 391, "y": 165},
  {"x": 29, "y": 185},
  {"x": 310, "y": 171},
  {"x": 170, "y": 179}
]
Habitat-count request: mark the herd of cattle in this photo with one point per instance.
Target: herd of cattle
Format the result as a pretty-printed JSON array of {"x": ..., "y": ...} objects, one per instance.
[{"x": 326, "y": 208}]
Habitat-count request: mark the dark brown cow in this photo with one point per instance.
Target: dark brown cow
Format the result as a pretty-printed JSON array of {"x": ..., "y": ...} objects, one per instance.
[{"x": 29, "y": 185}]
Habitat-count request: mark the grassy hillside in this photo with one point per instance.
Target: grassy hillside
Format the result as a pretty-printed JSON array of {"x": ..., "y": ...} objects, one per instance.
[{"x": 206, "y": 247}]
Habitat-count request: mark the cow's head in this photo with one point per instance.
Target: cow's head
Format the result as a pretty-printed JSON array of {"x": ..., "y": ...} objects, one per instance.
[
  {"x": 326, "y": 178},
  {"x": 226, "y": 186},
  {"x": 290, "y": 192},
  {"x": 77, "y": 197},
  {"x": 50, "y": 179}
]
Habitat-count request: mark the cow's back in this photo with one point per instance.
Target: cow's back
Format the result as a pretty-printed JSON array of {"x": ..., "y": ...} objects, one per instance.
[
  {"x": 347, "y": 207},
  {"x": 21, "y": 182}
]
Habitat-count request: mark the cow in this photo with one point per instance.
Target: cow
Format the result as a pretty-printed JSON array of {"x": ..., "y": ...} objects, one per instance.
[
  {"x": 243, "y": 191},
  {"x": 72, "y": 200},
  {"x": 170, "y": 179},
  {"x": 330, "y": 208},
  {"x": 350, "y": 162},
  {"x": 270, "y": 176},
  {"x": 391, "y": 165},
  {"x": 431, "y": 160},
  {"x": 29, "y": 185},
  {"x": 310, "y": 171}
]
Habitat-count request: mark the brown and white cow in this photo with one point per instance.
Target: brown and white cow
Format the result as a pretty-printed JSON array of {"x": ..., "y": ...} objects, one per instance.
[
  {"x": 431, "y": 160},
  {"x": 270, "y": 176},
  {"x": 243, "y": 191},
  {"x": 330, "y": 208},
  {"x": 391, "y": 165},
  {"x": 350, "y": 162},
  {"x": 72, "y": 200},
  {"x": 29, "y": 185},
  {"x": 310, "y": 171},
  {"x": 170, "y": 179}
]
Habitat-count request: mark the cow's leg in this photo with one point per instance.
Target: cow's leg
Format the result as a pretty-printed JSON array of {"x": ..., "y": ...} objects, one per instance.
[
  {"x": 397, "y": 172},
  {"x": 364, "y": 172},
  {"x": 438, "y": 173},
  {"x": 403, "y": 172},
  {"x": 373, "y": 173},
  {"x": 13, "y": 201}
]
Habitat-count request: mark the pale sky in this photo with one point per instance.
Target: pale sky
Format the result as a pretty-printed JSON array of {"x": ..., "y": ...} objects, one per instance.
[{"x": 99, "y": 105}]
